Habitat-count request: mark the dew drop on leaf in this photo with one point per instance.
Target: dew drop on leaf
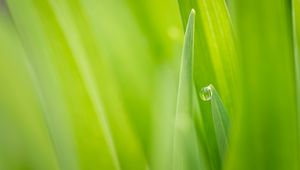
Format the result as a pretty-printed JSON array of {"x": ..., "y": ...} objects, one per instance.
[{"x": 206, "y": 93}]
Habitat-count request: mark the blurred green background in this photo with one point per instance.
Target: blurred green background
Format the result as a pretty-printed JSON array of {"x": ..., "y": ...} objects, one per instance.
[{"x": 99, "y": 84}]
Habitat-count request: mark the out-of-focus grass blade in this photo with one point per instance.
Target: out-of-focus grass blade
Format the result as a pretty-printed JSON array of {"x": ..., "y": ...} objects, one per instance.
[
  {"x": 68, "y": 103},
  {"x": 24, "y": 137},
  {"x": 46, "y": 80},
  {"x": 160, "y": 22},
  {"x": 296, "y": 38},
  {"x": 186, "y": 151},
  {"x": 85, "y": 46},
  {"x": 220, "y": 117},
  {"x": 102, "y": 83},
  {"x": 215, "y": 63},
  {"x": 128, "y": 84},
  {"x": 163, "y": 116},
  {"x": 267, "y": 131},
  {"x": 70, "y": 31}
]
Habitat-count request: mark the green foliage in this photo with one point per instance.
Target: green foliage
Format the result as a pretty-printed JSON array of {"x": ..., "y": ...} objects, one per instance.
[{"x": 87, "y": 84}]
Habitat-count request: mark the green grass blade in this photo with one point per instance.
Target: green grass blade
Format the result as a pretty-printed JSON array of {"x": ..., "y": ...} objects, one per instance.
[
  {"x": 25, "y": 142},
  {"x": 186, "y": 77},
  {"x": 81, "y": 59},
  {"x": 215, "y": 52},
  {"x": 92, "y": 43},
  {"x": 186, "y": 152},
  {"x": 50, "y": 47},
  {"x": 163, "y": 119},
  {"x": 215, "y": 63},
  {"x": 267, "y": 130},
  {"x": 296, "y": 41},
  {"x": 52, "y": 100},
  {"x": 220, "y": 117}
]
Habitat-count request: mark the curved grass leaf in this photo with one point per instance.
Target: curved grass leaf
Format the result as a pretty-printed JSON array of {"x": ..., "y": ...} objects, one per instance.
[{"x": 221, "y": 121}]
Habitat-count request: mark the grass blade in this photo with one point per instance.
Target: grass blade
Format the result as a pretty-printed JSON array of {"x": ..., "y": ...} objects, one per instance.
[
  {"x": 215, "y": 63},
  {"x": 267, "y": 130},
  {"x": 296, "y": 41},
  {"x": 163, "y": 119},
  {"x": 220, "y": 117},
  {"x": 186, "y": 153},
  {"x": 51, "y": 96},
  {"x": 24, "y": 139}
]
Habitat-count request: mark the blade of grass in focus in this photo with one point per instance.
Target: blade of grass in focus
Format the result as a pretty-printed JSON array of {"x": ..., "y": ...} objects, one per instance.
[
  {"x": 220, "y": 117},
  {"x": 186, "y": 151},
  {"x": 215, "y": 63},
  {"x": 216, "y": 59}
]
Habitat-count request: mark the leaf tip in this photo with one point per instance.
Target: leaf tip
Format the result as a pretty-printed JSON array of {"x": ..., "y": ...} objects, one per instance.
[{"x": 193, "y": 12}]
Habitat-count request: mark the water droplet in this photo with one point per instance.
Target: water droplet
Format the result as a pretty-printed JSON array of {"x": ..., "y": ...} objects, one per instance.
[{"x": 206, "y": 93}]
